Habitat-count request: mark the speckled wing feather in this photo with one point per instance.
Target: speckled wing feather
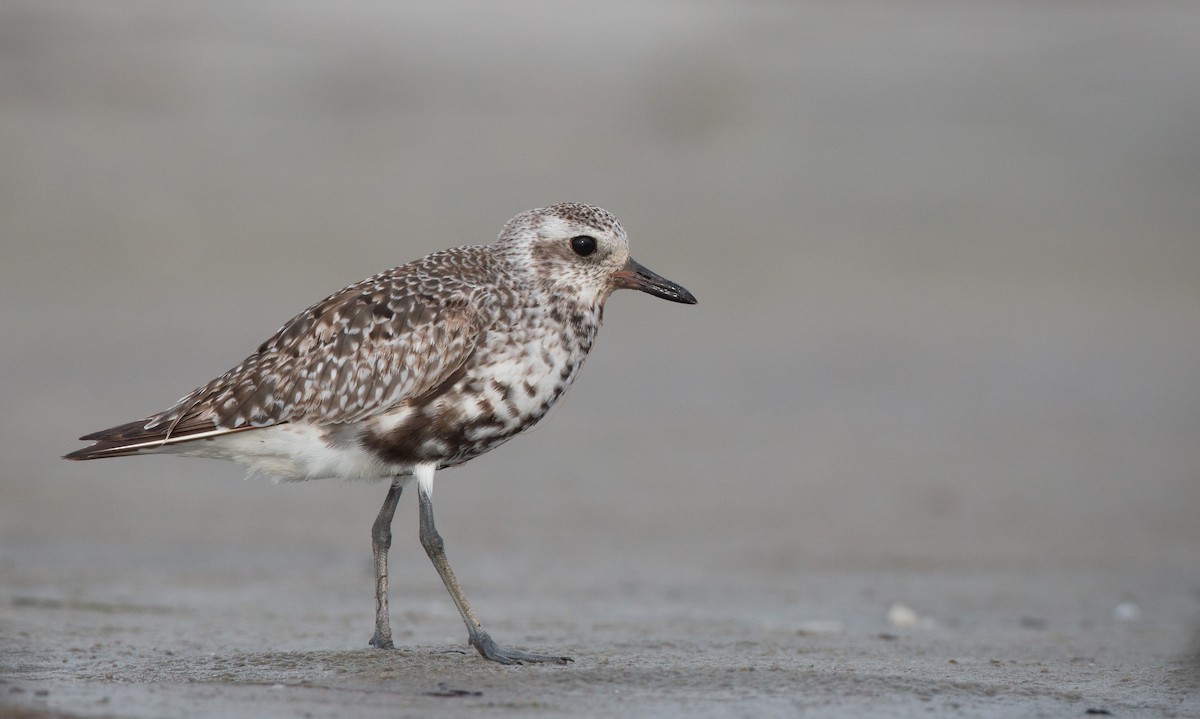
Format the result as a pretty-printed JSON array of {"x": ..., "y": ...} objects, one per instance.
[{"x": 359, "y": 352}]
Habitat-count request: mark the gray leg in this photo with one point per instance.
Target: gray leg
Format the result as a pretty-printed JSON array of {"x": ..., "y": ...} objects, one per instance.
[
  {"x": 489, "y": 649},
  {"x": 381, "y": 541}
]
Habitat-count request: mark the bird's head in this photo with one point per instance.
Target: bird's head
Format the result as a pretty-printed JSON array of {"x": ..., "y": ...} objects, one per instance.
[{"x": 582, "y": 251}]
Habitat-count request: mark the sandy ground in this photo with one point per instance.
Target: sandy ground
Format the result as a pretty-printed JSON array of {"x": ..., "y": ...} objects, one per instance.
[
  {"x": 927, "y": 445},
  {"x": 291, "y": 642}
]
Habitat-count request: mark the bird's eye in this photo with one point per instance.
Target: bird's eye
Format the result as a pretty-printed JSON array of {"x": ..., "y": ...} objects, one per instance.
[{"x": 583, "y": 245}]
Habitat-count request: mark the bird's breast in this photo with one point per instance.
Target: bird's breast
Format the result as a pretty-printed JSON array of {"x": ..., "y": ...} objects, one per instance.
[{"x": 511, "y": 381}]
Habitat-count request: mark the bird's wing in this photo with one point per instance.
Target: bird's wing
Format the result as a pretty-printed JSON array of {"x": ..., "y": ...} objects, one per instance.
[{"x": 359, "y": 352}]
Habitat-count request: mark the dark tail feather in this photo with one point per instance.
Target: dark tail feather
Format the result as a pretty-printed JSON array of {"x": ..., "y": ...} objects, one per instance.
[
  {"x": 120, "y": 441},
  {"x": 133, "y": 437},
  {"x": 100, "y": 450}
]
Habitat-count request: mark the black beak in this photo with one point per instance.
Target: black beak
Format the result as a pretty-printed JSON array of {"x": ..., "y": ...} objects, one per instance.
[{"x": 635, "y": 277}]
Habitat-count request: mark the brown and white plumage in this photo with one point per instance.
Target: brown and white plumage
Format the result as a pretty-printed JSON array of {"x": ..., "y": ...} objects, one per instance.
[
  {"x": 424, "y": 366},
  {"x": 384, "y": 343}
]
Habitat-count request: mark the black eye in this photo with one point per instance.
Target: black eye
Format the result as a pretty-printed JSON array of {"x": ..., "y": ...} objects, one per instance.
[{"x": 583, "y": 245}]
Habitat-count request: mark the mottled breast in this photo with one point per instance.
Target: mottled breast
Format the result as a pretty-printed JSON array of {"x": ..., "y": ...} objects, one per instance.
[{"x": 527, "y": 359}]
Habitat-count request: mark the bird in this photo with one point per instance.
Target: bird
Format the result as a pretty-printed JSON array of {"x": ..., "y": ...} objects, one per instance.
[{"x": 419, "y": 368}]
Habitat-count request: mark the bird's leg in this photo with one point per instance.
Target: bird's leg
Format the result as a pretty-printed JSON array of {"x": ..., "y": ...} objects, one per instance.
[
  {"x": 381, "y": 541},
  {"x": 436, "y": 549}
]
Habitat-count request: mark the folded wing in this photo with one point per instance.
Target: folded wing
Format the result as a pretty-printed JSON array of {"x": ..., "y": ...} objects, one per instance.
[{"x": 357, "y": 353}]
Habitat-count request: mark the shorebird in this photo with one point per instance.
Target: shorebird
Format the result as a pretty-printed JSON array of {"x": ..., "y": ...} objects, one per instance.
[{"x": 423, "y": 366}]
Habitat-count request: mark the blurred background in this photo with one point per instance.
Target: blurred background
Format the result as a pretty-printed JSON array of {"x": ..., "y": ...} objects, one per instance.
[{"x": 947, "y": 257}]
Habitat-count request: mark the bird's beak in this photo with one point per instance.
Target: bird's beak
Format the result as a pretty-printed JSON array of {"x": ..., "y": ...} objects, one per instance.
[{"x": 635, "y": 277}]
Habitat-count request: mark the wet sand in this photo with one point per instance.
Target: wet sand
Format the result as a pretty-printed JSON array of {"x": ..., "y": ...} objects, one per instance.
[{"x": 927, "y": 445}]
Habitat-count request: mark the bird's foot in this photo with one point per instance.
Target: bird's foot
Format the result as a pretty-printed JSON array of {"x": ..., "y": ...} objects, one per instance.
[
  {"x": 493, "y": 651},
  {"x": 381, "y": 641}
]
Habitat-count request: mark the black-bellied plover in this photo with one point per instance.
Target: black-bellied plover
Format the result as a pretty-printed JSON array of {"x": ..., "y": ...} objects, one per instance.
[{"x": 421, "y": 367}]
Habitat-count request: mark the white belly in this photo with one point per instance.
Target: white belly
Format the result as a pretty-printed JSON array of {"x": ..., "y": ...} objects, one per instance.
[{"x": 291, "y": 452}]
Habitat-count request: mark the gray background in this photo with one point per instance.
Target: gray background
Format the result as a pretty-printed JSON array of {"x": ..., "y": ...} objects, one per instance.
[{"x": 946, "y": 354}]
